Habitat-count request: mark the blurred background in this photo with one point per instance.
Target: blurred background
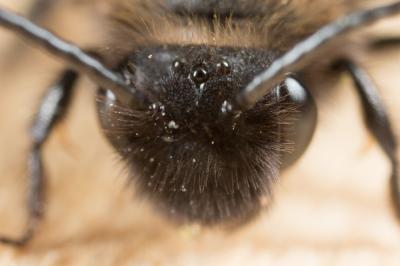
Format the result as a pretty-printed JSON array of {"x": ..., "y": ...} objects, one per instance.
[{"x": 331, "y": 208}]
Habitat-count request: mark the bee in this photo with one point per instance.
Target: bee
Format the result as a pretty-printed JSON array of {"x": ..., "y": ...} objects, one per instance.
[{"x": 206, "y": 102}]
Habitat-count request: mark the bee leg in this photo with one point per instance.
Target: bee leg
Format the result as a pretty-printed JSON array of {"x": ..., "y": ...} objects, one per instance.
[
  {"x": 378, "y": 123},
  {"x": 52, "y": 108}
]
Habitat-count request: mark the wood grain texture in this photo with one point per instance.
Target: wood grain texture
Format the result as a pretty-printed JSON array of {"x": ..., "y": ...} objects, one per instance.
[{"x": 331, "y": 208}]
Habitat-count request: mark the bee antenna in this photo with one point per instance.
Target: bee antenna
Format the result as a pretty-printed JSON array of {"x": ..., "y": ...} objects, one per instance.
[
  {"x": 307, "y": 50},
  {"x": 73, "y": 55}
]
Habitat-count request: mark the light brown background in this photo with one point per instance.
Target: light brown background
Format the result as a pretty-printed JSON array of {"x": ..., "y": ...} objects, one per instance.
[{"x": 332, "y": 208}]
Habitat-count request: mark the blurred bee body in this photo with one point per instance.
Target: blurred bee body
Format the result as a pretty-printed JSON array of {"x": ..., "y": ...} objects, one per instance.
[{"x": 273, "y": 25}]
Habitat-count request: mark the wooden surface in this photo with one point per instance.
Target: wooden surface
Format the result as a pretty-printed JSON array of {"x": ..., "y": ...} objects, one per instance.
[{"x": 332, "y": 208}]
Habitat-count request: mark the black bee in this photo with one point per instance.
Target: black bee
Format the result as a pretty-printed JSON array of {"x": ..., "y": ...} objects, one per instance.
[{"x": 207, "y": 101}]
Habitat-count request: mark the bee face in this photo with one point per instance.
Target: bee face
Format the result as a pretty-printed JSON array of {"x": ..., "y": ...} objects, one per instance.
[
  {"x": 198, "y": 157},
  {"x": 191, "y": 152}
]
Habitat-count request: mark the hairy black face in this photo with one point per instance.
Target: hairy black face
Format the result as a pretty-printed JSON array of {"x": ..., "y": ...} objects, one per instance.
[{"x": 189, "y": 150}]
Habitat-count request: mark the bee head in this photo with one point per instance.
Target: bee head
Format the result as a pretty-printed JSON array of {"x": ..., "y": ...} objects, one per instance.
[{"x": 190, "y": 150}]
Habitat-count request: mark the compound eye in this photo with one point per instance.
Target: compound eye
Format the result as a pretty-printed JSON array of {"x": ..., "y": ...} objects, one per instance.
[
  {"x": 200, "y": 74},
  {"x": 305, "y": 116},
  {"x": 295, "y": 92}
]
